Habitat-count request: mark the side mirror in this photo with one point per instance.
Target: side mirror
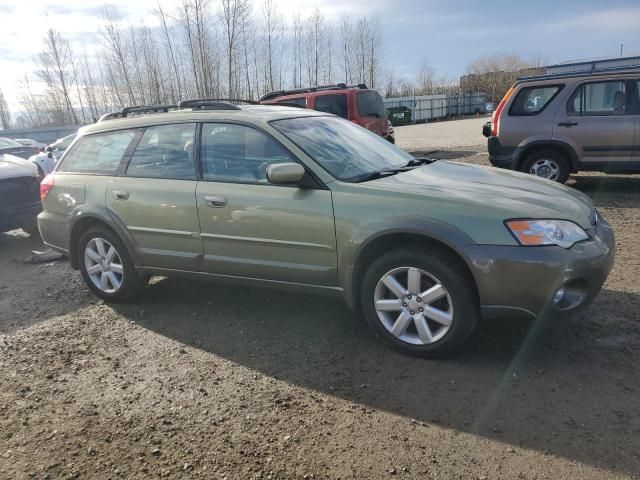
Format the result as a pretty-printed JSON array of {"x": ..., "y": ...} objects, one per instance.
[{"x": 285, "y": 173}]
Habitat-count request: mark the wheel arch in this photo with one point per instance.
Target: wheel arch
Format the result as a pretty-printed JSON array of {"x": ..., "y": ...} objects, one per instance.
[
  {"x": 562, "y": 148},
  {"x": 445, "y": 238},
  {"x": 82, "y": 221}
]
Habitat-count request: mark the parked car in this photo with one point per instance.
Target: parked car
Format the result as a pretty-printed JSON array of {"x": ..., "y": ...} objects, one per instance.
[
  {"x": 555, "y": 125},
  {"x": 353, "y": 102},
  {"x": 309, "y": 202},
  {"x": 12, "y": 147},
  {"x": 19, "y": 194},
  {"x": 46, "y": 160},
  {"x": 31, "y": 143}
]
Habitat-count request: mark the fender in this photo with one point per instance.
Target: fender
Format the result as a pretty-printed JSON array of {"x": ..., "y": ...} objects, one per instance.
[
  {"x": 358, "y": 241},
  {"x": 102, "y": 214},
  {"x": 520, "y": 152}
]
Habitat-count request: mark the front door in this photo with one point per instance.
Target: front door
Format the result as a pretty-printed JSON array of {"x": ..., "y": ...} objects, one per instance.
[
  {"x": 155, "y": 198},
  {"x": 598, "y": 120},
  {"x": 251, "y": 228}
]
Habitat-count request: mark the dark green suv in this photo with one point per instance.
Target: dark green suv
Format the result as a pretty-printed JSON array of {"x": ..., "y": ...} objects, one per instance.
[{"x": 309, "y": 202}]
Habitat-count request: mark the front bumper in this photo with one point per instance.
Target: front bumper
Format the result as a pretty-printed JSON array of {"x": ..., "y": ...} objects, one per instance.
[{"x": 522, "y": 281}]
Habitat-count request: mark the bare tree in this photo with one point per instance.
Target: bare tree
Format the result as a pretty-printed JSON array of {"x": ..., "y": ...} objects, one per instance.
[
  {"x": 53, "y": 69},
  {"x": 5, "y": 114},
  {"x": 233, "y": 14},
  {"x": 118, "y": 47}
]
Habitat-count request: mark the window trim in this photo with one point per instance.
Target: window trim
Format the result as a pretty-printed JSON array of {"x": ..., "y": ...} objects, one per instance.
[
  {"x": 560, "y": 87},
  {"x": 76, "y": 141},
  {"x": 127, "y": 158},
  {"x": 591, "y": 82},
  {"x": 313, "y": 181}
]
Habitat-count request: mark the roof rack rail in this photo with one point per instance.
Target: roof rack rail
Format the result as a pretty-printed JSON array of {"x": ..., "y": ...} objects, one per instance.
[
  {"x": 585, "y": 73},
  {"x": 137, "y": 109},
  {"x": 293, "y": 91},
  {"x": 215, "y": 103},
  {"x": 288, "y": 104}
]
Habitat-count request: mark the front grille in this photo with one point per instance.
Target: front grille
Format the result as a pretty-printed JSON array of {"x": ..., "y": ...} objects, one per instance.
[{"x": 594, "y": 219}]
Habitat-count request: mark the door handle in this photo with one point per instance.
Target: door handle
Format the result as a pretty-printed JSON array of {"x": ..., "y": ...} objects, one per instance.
[
  {"x": 120, "y": 195},
  {"x": 215, "y": 201},
  {"x": 567, "y": 124}
]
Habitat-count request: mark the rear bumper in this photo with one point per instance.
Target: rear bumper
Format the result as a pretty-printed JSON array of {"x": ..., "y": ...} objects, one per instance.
[
  {"x": 499, "y": 155},
  {"x": 522, "y": 281},
  {"x": 19, "y": 216}
]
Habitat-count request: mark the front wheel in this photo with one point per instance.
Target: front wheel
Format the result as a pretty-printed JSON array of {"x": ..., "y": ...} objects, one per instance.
[
  {"x": 420, "y": 302},
  {"x": 106, "y": 267}
]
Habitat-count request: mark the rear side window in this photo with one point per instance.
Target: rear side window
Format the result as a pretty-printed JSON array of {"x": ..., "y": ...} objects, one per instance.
[
  {"x": 370, "y": 104},
  {"x": 302, "y": 101},
  {"x": 100, "y": 153},
  {"x": 599, "y": 98},
  {"x": 532, "y": 100},
  {"x": 165, "y": 151},
  {"x": 336, "y": 104}
]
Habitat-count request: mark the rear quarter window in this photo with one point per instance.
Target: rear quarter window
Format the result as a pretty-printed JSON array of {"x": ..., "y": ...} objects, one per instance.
[
  {"x": 533, "y": 100},
  {"x": 98, "y": 154},
  {"x": 370, "y": 104}
]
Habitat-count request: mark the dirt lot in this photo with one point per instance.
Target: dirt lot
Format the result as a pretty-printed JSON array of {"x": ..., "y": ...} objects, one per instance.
[{"x": 188, "y": 382}]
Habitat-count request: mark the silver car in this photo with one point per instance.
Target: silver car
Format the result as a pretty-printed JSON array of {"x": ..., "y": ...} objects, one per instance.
[{"x": 555, "y": 125}]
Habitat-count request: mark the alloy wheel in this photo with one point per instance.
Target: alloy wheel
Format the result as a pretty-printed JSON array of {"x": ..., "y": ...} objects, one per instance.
[
  {"x": 545, "y": 168},
  {"x": 413, "y": 305},
  {"x": 103, "y": 265}
]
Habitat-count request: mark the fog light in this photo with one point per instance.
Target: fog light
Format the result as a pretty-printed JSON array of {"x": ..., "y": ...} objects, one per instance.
[{"x": 558, "y": 296}]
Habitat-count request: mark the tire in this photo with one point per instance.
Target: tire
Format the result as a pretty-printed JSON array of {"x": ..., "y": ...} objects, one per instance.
[
  {"x": 129, "y": 280},
  {"x": 547, "y": 161},
  {"x": 457, "y": 301}
]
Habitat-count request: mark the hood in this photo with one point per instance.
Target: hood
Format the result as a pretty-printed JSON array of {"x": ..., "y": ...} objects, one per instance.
[
  {"x": 12, "y": 167},
  {"x": 513, "y": 194}
]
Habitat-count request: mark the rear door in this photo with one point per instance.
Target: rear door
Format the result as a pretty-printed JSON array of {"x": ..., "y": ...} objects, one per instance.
[
  {"x": 155, "y": 198},
  {"x": 599, "y": 122},
  {"x": 251, "y": 228}
]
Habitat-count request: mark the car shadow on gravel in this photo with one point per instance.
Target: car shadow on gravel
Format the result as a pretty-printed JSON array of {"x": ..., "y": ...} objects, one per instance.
[
  {"x": 611, "y": 191},
  {"x": 567, "y": 387}
]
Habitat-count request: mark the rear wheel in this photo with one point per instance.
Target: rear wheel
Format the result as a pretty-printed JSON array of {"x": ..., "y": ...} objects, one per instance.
[
  {"x": 106, "y": 266},
  {"x": 547, "y": 164},
  {"x": 420, "y": 302}
]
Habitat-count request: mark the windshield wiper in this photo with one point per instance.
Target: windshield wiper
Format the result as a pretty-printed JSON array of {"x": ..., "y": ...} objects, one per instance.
[
  {"x": 416, "y": 162},
  {"x": 387, "y": 172}
]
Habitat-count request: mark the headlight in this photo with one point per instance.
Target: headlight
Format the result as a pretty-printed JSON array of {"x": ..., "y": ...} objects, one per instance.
[{"x": 546, "y": 232}]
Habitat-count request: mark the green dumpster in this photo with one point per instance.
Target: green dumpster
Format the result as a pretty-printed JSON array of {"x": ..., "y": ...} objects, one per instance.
[{"x": 399, "y": 115}]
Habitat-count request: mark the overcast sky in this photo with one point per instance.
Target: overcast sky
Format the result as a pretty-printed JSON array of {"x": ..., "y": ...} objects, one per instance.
[{"x": 447, "y": 34}]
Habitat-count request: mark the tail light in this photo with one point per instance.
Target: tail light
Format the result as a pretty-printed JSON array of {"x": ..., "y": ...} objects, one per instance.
[
  {"x": 46, "y": 185},
  {"x": 495, "y": 121}
]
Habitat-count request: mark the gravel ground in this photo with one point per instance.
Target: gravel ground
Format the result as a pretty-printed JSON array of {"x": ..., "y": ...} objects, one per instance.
[{"x": 196, "y": 380}]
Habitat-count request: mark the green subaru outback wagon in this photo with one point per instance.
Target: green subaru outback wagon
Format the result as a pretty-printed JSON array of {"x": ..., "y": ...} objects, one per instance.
[{"x": 309, "y": 202}]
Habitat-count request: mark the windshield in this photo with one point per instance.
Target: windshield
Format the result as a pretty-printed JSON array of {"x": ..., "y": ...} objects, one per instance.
[
  {"x": 8, "y": 143},
  {"x": 347, "y": 151},
  {"x": 370, "y": 104}
]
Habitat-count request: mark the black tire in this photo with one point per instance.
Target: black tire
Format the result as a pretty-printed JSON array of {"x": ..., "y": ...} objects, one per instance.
[
  {"x": 450, "y": 273},
  {"x": 559, "y": 159},
  {"x": 131, "y": 281}
]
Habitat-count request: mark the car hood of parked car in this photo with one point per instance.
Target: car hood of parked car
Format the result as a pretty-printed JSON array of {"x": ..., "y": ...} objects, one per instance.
[
  {"x": 514, "y": 194},
  {"x": 13, "y": 167}
]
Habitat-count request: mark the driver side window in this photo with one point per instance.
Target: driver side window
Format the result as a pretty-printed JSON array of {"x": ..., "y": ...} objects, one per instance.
[{"x": 236, "y": 153}]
